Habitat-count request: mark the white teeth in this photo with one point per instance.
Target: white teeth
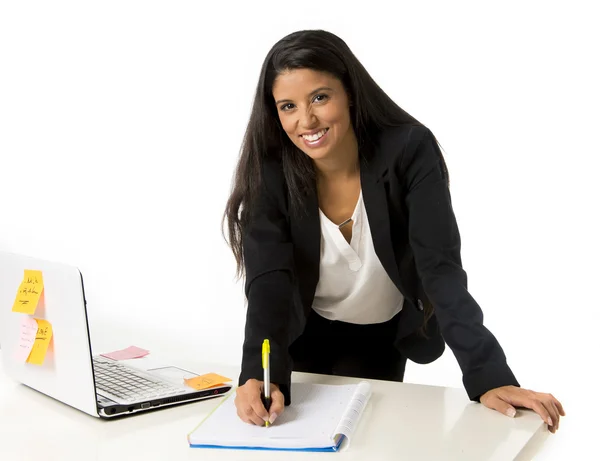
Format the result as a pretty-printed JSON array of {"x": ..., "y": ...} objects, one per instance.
[{"x": 314, "y": 137}]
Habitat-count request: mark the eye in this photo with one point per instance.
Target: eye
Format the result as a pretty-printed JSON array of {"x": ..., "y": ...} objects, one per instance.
[
  {"x": 286, "y": 107},
  {"x": 321, "y": 97}
]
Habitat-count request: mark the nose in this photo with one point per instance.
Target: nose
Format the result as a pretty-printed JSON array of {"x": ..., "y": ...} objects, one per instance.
[{"x": 308, "y": 120}]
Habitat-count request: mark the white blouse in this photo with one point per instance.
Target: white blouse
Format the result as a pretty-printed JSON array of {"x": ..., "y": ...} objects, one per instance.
[{"x": 353, "y": 285}]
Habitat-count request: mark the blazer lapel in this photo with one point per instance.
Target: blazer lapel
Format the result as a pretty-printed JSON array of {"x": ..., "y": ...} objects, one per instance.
[
  {"x": 376, "y": 206},
  {"x": 306, "y": 235}
]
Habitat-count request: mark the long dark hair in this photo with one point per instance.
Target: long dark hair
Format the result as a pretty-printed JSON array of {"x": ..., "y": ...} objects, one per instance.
[{"x": 371, "y": 111}]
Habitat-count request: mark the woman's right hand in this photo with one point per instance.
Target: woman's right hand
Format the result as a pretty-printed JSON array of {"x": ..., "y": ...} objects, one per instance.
[{"x": 250, "y": 407}]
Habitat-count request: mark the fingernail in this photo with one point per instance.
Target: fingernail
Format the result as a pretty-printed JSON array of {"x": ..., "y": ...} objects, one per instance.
[
  {"x": 549, "y": 421},
  {"x": 511, "y": 412},
  {"x": 272, "y": 418}
]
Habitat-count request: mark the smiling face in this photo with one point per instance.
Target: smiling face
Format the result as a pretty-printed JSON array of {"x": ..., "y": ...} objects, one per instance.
[{"x": 313, "y": 108}]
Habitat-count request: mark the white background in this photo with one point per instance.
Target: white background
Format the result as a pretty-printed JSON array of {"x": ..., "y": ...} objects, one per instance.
[{"x": 121, "y": 122}]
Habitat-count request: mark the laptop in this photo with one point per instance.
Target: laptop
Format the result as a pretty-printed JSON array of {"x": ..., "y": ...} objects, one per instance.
[{"x": 97, "y": 385}]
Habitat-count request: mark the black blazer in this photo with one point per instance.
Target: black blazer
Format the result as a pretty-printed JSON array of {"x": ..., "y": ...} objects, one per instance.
[{"x": 416, "y": 237}]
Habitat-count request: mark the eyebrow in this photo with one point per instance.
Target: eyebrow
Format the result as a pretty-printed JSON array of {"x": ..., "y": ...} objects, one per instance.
[{"x": 311, "y": 93}]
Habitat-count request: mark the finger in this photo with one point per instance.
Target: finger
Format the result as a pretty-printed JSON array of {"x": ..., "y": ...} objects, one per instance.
[
  {"x": 557, "y": 422},
  {"x": 552, "y": 411},
  {"x": 533, "y": 400},
  {"x": 245, "y": 410},
  {"x": 277, "y": 404},
  {"x": 559, "y": 406},
  {"x": 249, "y": 415},
  {"x": 496, "y": 403},
  {"x": 536, "y": 405},
  {"x": 553, "y": 415},
  {"x": 258, "y": 408}
]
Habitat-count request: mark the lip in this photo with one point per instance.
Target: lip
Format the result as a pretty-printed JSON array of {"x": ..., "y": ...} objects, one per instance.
[{"x": 317, "y": 143}]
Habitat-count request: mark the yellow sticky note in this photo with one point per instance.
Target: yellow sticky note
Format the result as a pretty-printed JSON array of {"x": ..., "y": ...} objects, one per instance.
[
  {"x": 206, "y": 381},
  {"x": 42, "y": 341},
  {"x": 29, "y": 292}
]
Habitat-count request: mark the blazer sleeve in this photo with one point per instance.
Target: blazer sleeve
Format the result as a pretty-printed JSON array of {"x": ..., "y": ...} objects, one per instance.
[
  {"x": 435, "y": 241},
  {"x": 268, "y": 258}
]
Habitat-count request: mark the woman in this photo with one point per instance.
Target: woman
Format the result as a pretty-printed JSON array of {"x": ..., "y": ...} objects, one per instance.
[{"x": 341, "y": 219}]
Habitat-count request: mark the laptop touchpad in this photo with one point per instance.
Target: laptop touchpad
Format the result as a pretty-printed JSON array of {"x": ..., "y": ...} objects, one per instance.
[{"x": 173, "y": 374}]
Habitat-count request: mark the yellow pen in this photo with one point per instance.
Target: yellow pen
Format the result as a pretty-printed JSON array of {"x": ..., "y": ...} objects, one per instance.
[{"x": 266, "y": 398}]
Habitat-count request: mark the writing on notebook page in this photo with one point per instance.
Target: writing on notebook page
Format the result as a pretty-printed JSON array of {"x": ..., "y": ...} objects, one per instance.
[
  {"x": 131, "y": 352},
  {"x": 206, "y": 381},
  {"x": 42, "y": 341},
  {"x": 27, "y": 333},
  {"x": 29, "y": 292}
]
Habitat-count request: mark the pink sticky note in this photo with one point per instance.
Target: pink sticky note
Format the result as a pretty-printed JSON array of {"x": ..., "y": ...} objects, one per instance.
[
  {"x": 27, "y": 334},
  {"x": 132, "y": 352}
]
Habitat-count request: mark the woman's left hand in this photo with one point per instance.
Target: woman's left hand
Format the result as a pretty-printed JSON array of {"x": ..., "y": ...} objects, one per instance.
[{"x": 504, "y": 399}]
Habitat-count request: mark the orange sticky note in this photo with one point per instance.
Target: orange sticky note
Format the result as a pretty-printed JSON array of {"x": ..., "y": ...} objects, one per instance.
[
  {"x": 29, "y": 292},
  {"x": 42, "y": 341},
  {"x": 206, "y": 381}
]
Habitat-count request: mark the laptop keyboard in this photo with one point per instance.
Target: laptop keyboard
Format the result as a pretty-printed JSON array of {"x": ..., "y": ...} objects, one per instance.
[{"x": 122, "y": 382}]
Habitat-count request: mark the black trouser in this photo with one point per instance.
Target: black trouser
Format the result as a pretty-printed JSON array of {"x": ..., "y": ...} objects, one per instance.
[{"x": 346, "y": 349}]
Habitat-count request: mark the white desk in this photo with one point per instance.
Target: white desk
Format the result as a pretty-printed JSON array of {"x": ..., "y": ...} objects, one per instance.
[{"x": 401, "y": 421}]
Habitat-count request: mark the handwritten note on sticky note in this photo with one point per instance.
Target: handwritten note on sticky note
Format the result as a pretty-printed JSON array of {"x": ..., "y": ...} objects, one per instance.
[
  {"x": 42, "y": 341},
  {"x": 131, "y": 352},
  {"x": 29, "y": 292},
  {"x": 27, "y": 334},
  {"x": 206, "y": 381}
]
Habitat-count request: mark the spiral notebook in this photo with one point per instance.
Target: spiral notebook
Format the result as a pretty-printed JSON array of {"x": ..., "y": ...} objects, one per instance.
[{"x": 320, "y": 418}]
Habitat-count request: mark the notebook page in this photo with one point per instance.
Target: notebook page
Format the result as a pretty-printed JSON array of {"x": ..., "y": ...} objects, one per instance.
[{"x": 309, "y": 422}]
